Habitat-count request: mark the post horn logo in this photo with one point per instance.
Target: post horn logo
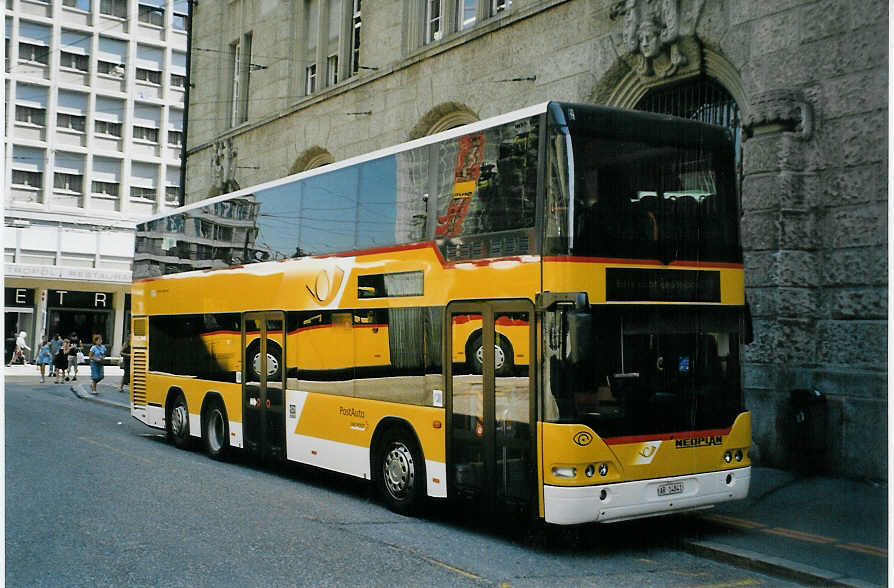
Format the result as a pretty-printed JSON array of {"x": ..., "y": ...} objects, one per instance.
[
  {"x": 647, "y": 451},
  {"x": 323, "y": 290},
  {"x": 583, "y": 438}
]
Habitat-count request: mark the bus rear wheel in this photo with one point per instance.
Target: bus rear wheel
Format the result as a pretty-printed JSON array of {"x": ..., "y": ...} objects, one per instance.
[
  {"x": 503, "y": 356},
  {"x": 401, "y": 473},
  {"x": 215, "y": 431},
  {"x": 177, "y": 421}
]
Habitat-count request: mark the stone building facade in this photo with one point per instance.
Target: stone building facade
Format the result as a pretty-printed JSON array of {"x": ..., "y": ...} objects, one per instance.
[{"x": 282, "y": 86}]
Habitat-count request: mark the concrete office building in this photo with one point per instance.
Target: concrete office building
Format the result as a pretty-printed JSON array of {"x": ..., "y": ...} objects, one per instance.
[
  {"x": 94, "y": 129},
  {"x": 283, "y": 86}
]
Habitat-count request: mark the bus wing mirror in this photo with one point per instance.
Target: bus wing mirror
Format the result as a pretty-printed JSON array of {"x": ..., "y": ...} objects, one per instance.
[{"x": 580, "y": 332}]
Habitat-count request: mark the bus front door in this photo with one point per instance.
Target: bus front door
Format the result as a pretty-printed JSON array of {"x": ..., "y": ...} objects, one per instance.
[
  {"x": 490, "y": 405},
  {"x": 263, "y": 376}
]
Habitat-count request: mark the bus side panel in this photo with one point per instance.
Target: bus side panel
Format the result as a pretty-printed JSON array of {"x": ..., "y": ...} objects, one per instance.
[
  {"x": 194, "y": 390},
  {"x": 335, "y": 432}
]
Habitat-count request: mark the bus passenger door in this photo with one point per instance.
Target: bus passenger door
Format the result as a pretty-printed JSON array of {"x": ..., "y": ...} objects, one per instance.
[
  {"x": 263, "y": 376},
  {"x": 490, "y": 405}
]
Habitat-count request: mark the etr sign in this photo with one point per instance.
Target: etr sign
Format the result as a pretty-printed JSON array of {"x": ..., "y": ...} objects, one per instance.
[
  {"x": 18, "y": 297},
  {"x": 74, "y": 299}
]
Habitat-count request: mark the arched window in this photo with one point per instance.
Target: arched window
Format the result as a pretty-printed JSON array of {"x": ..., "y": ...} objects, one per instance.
[{"x": 701, "y": 99}]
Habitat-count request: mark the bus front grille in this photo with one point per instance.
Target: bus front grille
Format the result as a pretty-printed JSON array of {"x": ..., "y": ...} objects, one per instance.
[{"x": 139, "y": 369}]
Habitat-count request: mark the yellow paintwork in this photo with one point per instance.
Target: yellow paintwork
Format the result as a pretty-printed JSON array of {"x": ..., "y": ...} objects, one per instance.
[
  {"x": 579, "y": 276},
  {"x": 157, "y": 386},
  {"x": 337, "y": 418},
  {"x": 331, "y": 283},
  {"x": 636, "y": 460}
]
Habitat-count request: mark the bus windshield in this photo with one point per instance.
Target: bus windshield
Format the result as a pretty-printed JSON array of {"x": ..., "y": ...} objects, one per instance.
[
  {"x": 654, "y": 371},
  {"x": 653, "y": 189}
]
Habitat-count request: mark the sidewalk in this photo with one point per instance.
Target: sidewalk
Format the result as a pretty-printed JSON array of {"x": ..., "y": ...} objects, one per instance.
[
  {"x": 811, "y": 529},
  {"x": 107, "y": 388}
]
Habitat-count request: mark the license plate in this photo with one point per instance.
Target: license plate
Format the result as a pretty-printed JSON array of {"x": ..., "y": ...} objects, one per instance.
[{"x": 670, "y": 488}]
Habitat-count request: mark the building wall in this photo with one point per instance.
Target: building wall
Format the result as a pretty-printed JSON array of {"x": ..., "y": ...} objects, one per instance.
[
  {"x": 81, "y": 84},
  {"x": 809, "y": 76}
]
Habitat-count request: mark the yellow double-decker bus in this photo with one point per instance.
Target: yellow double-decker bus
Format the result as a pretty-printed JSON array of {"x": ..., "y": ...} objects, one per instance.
[{"x": 344, "y": 318}]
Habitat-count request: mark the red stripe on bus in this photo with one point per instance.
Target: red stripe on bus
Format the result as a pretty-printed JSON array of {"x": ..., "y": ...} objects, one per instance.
[{"x": 665, "y": 436}]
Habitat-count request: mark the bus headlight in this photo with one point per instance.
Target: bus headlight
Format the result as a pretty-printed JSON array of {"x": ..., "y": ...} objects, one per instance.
[
  {"x": 739, "y": 455},
  {"x": 728, "y": 456},
  {"x": 603, "y": 469},
  {"x": 590, "y": 471},
  {"x": 564, "y": 472}
]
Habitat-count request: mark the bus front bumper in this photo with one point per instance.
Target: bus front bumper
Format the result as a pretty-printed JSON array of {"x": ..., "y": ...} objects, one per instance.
[{"x": 631, "y": 500}]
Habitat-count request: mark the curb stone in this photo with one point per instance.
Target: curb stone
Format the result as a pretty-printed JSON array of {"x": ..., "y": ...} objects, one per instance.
[{"x": 775, "y": 566}]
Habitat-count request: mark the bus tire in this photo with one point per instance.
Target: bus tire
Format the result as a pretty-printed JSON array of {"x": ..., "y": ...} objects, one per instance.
[
  {"x": 400, "y": 475},
  {"x": 216, "y": 430},
  {"x": 177, "y": 421},
  {"x": 274, "y": 360},
  {"x": 503, "y": 355}
]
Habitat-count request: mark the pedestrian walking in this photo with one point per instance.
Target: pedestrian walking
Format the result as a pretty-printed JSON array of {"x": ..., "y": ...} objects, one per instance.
[
  {"x": 44, "y": 357},
  {"x": 55, "y": 346},
  {"x": 125, "y": 365},
  {"x": 21, "y": 349},
  {"x": 74, "y": 349},
  {"x": 60, "y": 361},
  {"x": 96, "y": 355}
]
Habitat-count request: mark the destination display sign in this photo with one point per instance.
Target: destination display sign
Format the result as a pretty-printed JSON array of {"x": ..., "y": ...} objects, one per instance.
[{"x": 661, "y": 285}]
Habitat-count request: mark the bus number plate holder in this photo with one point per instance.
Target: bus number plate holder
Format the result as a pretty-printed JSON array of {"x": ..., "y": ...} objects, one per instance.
[{"x": 670, "y": 489}]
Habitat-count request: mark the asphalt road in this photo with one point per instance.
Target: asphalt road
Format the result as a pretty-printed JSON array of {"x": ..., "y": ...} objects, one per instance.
[{"x": 96, "y": 498}]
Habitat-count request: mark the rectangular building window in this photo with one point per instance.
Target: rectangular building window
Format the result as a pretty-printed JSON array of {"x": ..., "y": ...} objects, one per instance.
[
  {"x": 356, "y": 23},
  {"x": 499, "y": 6},
  {"x": 310, "y": 79},
  {"x": 73, "y": 61},
  {"x": 115, "y": 70},
  {"x": 79, "y": 4},
  {"x": 332, "y": 70},
  {"x": 178, "y": 19},
  {"x": 175, "y": 138},
  {"x": 145, "y": 134},
  {"x": 144, "y": 193},
  {"x": 434, "y": 17},
  {"x": 68, "y": 182},
  {"x": 107, "y": 128},
  {"x": 34, "y": 53},
  {"x": 27, "y": 178},
  {"x": 178, "y": 81},
  {"x": 466, "y": 14},
  {"x": 72, "y": 122},
  {"x": 116, "y": 8},
  {"x": 152, "y": 13},
  {"x": 106, "y": 188},
  {"x": 30, "y": 115},
  {"x": 148, "y": 75},
  {"x": 240, "y": 53}
]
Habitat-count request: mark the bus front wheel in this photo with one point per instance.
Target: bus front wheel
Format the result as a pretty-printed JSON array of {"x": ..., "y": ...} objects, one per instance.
[
  {"x": 215, "y": 430},
  {"x": 401, "y": 472},
  {"x": 177, "y": 421}
]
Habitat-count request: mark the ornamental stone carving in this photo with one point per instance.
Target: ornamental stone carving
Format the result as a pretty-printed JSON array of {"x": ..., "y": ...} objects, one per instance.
[
  {"x": 780, "y": 110},
  {"x": 223, "y": 166},
  {"x": 658, "y": 37}
]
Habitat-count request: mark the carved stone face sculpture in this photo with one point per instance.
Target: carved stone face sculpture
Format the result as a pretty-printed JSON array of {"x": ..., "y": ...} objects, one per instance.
[{"x": 649, "y": 44}]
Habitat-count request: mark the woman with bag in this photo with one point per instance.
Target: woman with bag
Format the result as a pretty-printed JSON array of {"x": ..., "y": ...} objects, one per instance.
[
  {"x": 44, "y": 357},
  {"x": 96, "y": 355}
]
